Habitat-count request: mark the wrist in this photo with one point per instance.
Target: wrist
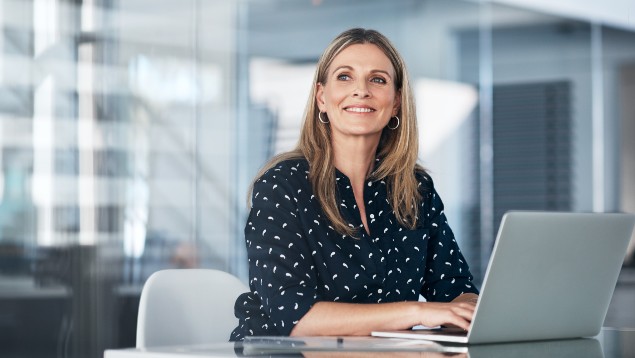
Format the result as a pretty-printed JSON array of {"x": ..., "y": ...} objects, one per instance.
[{"x": 415, "y": 312}]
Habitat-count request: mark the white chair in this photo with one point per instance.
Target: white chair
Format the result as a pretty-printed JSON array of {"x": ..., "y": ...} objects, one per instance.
[{"x": 187, "y": 306}]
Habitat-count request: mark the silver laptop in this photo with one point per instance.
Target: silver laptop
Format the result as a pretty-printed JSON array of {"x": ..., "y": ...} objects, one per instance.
[{"x": 551, "y": 276}]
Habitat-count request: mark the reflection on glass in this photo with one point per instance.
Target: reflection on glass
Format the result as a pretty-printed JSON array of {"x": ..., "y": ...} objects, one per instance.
[
  {"x": 382, "y": 354},
  {"x": 583, "y": 348},
  {"x": 346, "y": 347},
  {"x": 380, "y": 347}
]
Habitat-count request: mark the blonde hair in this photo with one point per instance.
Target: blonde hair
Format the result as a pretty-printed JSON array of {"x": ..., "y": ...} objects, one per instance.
[{"x": 397, "y": 148}]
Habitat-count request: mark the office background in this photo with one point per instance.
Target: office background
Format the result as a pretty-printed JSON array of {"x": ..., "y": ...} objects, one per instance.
[{"x": 130, "y": 131}]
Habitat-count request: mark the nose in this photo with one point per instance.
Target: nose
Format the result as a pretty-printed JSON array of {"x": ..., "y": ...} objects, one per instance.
[{"x": 361, "y": 90}]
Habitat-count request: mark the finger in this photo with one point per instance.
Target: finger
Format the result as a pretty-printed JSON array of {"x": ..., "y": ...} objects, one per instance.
[
  {"x": 464, "y": 313},
  {"x": 458, "y": 317},
  {"x": 459, "y": 322}
]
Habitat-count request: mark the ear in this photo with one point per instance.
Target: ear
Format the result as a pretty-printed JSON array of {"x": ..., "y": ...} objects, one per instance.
[
  {"x": 319, "y": 97},
  {"x": 397, "y": 104}
]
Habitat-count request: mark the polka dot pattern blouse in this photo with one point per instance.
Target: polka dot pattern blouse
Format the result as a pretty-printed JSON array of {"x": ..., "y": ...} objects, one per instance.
[{"x": 297, "y": 259}]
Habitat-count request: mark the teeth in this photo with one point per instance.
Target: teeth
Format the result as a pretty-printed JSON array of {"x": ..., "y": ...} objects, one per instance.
[{"x": 359, "y": 110}]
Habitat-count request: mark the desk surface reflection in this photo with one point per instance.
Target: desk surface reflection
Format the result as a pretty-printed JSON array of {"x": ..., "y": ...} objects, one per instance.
[{"x": 610, "y": 343}]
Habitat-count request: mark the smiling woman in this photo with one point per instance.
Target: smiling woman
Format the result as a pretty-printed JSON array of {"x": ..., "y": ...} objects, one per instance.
[{"x": 346, "y": 231}]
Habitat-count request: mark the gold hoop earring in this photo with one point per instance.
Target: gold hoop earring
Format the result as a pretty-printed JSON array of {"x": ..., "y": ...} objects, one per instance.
[
  {"x": 395, "y": 127},
  {"x": 320, "y": 118}
]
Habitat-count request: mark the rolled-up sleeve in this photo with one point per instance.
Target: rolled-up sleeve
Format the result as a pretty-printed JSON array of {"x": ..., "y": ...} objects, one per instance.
[{"x": 280, "y": 263}]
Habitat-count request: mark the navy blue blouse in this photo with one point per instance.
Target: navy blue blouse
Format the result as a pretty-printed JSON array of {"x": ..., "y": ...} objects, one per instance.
[{"x": 297, "y": 259}]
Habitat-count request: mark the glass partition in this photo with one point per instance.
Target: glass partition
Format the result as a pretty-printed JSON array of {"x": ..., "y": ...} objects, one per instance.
[
  {"x": 618, "y": 86},
  {"x": 618, "y": 74},
  {"x": 541, "y": 112},
  {"x": 118, "y": 143}
]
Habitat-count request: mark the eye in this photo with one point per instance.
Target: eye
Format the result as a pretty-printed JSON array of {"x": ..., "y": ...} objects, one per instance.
[
  {"x": 378, "y": 80},
  {"x": 343, "y": 77}
]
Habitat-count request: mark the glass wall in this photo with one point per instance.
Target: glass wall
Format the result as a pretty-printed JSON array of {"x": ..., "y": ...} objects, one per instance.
[
  {"x": 117, "y": 131},
  {"x": 131, "y": 130},
  {"x": 616, "y": 66},
  {"x": 542, "y": 113}
]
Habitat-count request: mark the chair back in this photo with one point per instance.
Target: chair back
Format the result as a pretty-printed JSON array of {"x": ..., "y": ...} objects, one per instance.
[{"x": 187, "y": 306}]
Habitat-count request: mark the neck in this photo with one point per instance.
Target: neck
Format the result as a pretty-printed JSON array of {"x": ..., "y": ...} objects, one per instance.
[{"x": 355, "y": 158}]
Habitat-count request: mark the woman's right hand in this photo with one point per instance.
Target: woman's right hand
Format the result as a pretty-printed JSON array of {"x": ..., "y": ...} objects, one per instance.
[{"x": 457, "y": 314}]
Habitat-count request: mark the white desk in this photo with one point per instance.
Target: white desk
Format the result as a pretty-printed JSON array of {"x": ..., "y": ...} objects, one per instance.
[{"x": 609, "y": 344}]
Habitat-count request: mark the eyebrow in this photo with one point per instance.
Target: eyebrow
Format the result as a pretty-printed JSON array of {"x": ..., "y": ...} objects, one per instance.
[{"x": 351, "y": 69}]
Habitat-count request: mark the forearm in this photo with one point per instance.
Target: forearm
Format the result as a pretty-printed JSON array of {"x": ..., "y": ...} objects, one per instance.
[{"x": 335, "y": 318}]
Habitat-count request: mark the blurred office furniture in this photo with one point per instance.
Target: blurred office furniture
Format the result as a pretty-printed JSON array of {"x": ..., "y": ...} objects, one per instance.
[
  {"x": 534, "y": 118},
  {"x": 187, "y": 306}
]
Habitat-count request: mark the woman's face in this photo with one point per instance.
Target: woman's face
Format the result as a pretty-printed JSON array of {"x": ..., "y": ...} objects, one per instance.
[{"x": 359, "y": 95}]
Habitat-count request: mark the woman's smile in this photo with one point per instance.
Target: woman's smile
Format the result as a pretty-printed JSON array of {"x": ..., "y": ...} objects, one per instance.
[{"x": 359, "y": 109}]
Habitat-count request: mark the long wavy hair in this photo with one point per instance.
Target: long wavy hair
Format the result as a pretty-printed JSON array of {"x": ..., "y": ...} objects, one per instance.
[{"x": 397, "y": 148}]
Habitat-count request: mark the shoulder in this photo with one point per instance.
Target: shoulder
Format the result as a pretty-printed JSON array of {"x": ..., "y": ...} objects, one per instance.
[
  {"x": 284, "y": 178},
  {"x": 425, "y": 182},
  {"x": 285, "y": 170}
]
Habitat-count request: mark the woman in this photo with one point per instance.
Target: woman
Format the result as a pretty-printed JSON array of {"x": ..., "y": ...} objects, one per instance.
[{"x": 346, "y": 231}]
